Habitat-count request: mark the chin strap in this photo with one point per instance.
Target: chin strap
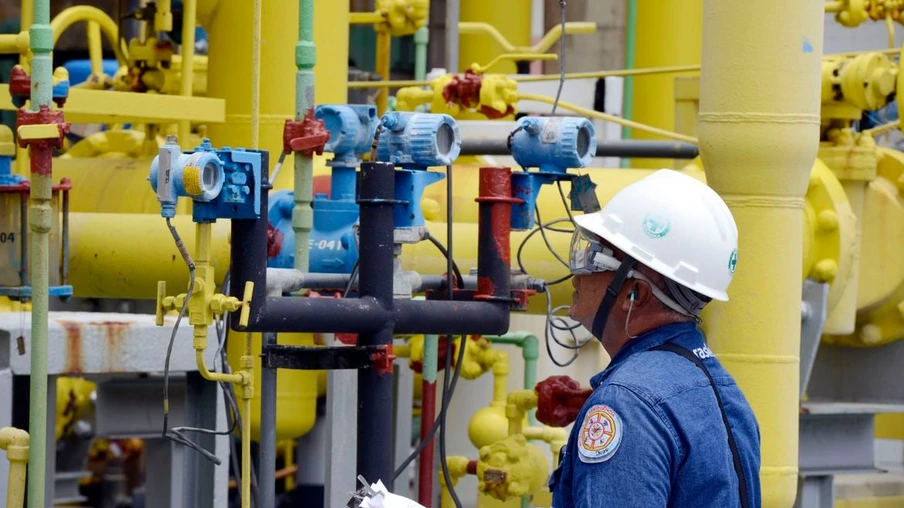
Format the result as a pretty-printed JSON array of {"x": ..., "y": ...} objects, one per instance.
[{"x": 602, "y": 314}]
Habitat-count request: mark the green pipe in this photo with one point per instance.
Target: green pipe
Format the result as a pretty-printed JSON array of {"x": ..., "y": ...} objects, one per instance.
[
  {"x": 530, "y": 351},
  {"x": 39, "y": 214},
  {"x": 305, "y": 58},
  {"x": 431, "y": 356},
  {"x": 421, "y": 39},
  {"x": 628, "y": 97}
]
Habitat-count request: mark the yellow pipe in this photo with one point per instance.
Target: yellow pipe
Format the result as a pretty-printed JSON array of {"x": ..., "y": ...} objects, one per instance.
[
  {"x": 606, "y": 117},
  {"x": 15, "y": 442},
  {"x": 668, "y": 33},
  {"x": 518, "y": 403},
  {"x": 556, "y": 437},
  {"x": 218, "y": 377},
  {"x": 511, "y": 19},
  {"x": 513, "y": 56},
  {"x": 542, "y": 46},
  {"x": 384, "y": 62},
  {"x": 882, "y": 129},
  {"x": 229, "y": 68},
  {"x": 500, "y": 380},
  {"x": 95, "y": 49},
  {"x": 186, "y": 84},
  {"x": 200, "y": 315},
  {"x": 14, "y": 43},
  {"x": 890, "y": 26},
  {"x": 673, "y": 69},
  {"x": 72, "y": 15},
  {"x": 759, "y": 132},
  {"x": 836, "y": 6},
  {"x": 458, "y": 467},
  {"x": 365, "y": 18}
]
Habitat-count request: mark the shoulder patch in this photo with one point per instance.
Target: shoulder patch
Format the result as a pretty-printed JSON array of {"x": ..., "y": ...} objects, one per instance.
[{"x": 601, "y": 433}]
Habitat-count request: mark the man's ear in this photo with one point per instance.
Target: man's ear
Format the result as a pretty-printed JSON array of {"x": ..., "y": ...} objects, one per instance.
[{"x": 638, "y": 295}]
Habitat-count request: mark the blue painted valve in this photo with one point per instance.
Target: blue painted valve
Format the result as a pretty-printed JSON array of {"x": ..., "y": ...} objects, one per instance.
[{"x": 332, "y": 242}]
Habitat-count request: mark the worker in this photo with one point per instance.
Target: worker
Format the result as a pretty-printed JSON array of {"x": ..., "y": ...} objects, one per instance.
[{"x": 665, "y": 425}]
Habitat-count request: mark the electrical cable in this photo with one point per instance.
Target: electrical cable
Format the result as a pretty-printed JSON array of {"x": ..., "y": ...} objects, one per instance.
[
  {"x": 444, "y": 404},
  {"x": 176, "y": 434},
  {"x": 464, "y": 340},
  {"x": 564, "y": 201},
  {"x": 548, "y": 332},
  {"x": 354, "y": 273},
  {"x": 445, "y": 253},
  {"x": 282, "y": 157},
  {"x": 555, "y": 104},
  {"x": 548, "y": 246},
  {"x": 351, "y": 280},
  {"x": 546, "y": 240}
]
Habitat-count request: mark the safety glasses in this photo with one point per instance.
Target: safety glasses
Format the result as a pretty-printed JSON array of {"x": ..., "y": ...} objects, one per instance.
[{"x": 588, "y": 255}]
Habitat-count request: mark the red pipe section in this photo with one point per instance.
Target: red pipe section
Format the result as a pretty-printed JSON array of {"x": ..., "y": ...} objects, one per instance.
[{"x": 425, "y": 461}]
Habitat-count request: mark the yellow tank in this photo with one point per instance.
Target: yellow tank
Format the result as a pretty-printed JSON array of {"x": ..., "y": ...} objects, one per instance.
[{"x": 296, "y": 390}]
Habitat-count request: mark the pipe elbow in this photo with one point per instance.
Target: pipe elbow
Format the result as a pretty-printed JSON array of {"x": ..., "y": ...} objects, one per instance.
[
  {"x": 497, "y": 319},
  {"x": 458, "y": 467},
  {"x": 499, "y": 361},
  {"x": 15, "y": 442}
]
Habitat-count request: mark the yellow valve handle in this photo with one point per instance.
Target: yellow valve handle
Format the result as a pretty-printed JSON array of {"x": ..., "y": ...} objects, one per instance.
[
  {"x": 161, "y": 294},
  {"x": 246, "y": 304}
]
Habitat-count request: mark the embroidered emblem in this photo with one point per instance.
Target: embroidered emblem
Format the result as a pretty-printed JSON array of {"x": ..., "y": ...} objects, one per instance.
[{"x": 600, "y": 435}]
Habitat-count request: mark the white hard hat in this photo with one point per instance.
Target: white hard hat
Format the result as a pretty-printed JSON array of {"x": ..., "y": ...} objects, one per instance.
[{"x": 677, "y": 226}]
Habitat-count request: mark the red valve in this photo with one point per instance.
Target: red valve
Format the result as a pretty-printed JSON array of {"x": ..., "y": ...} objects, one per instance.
[
  {"x": 382, "y": 360},
  {"x": 559, "y": 400},
  {"x": 308, "y": 136},
  {"x": 464, "y": 89}
]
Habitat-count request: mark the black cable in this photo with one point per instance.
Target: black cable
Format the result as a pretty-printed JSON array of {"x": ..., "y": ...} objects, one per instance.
[
  {"x": 534, "y": 232},
  {"x": 351, "y": 278},
  {"x": 445, "y": 253},
  {"x": 446, "y": 381},
  {"x": 177, "y": 434},
  {"x": 445, "y": 410},
  {"x": 548, "y": 331},
  {"x": 546, "y": 240},
  {"x": 444, "y": 404},
  {"x": 565, "y": 201}
]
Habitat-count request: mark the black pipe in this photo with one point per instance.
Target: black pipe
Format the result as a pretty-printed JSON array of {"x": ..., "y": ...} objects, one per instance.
[
  {"x": 440, "y": 316},
  {"x": 267, "y": 459},
  {"x": 623, "y": 148},
  {"x": 375, "y": 315},
  {"x": 321, "y": 315},
  {"x": 375, "y": 281}
]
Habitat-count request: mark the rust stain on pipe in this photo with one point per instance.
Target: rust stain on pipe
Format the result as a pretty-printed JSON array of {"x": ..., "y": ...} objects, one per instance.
[
  {"x": 115, "y": 334},
  {"x": 73, "y": 347}
]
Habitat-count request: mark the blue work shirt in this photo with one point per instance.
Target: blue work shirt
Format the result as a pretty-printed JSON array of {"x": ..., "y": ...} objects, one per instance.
[{"x": 651, "y": 434}]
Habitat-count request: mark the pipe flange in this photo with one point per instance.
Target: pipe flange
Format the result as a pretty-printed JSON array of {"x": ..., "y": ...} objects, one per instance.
[
  {"x": 880, "y": 295},
  {"x": 829, "y": 232}
]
